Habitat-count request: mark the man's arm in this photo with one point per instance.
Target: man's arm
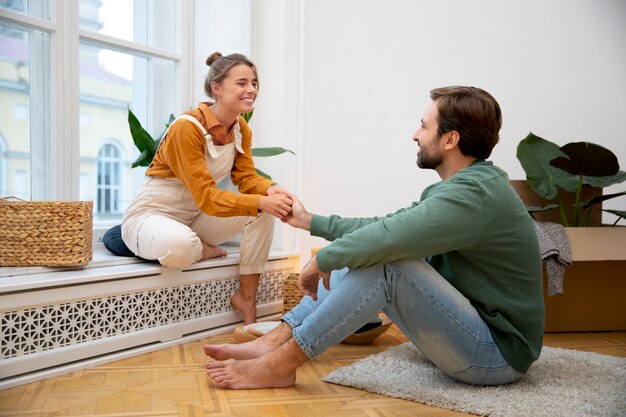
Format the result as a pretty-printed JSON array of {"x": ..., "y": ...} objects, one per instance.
[
  {"x": 452, "y": 219},
  {"x": 299, "y": 217},
  {"x": 330, "y": 228}
]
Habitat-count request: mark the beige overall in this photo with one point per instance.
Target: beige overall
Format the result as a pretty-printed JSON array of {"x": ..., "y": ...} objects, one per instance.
[{"x": 164, "y": 223}]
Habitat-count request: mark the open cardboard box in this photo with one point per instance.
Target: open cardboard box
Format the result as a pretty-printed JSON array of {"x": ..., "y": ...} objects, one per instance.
[{"x": 594, "y": 287}]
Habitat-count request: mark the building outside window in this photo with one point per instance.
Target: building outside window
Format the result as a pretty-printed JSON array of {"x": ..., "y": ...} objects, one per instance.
[
  {"x": 110, "y": 172},
  {"x": 116, "y": 55}
]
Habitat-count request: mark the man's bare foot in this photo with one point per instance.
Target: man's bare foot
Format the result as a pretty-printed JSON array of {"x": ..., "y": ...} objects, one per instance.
[
  {"x": 210, "y": 252},
  {"x": 252, "y": 349},
  {"x": 275, "y": 369},
  {"x": 247, "y": 308}
]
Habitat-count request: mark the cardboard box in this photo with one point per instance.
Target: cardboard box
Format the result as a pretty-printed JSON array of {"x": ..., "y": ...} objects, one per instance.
[{"x": 594, "y": 287}]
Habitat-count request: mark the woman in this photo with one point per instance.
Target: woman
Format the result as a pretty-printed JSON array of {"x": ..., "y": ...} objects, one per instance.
[{"x": 180, "y": 216}]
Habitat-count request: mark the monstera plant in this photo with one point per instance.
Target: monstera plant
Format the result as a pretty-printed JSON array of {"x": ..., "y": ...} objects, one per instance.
[
  {"x": 147, "y": 146},
  {"x": 570, "y": 167}
]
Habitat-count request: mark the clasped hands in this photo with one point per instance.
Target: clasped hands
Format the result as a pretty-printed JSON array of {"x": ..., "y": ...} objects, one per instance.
[
  {"x": 290, "y": 210},
  {"x": 277, "y": 202}
]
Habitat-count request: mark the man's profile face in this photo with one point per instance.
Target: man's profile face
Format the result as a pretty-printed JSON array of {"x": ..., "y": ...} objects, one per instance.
[{"x": 429, "y": 155}]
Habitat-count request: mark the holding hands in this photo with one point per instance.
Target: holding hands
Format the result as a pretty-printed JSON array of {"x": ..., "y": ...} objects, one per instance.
[
  {"x": 292, "y": 212},
  {"x": 277, "y": 202}
]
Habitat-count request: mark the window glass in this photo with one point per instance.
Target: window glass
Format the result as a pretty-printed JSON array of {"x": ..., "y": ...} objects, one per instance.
[
  {"x": 15, "y": 92},
  {"x": 148, "y": 22},
  {"x": 3, "y": 168},
  {"x": 110, "y": 83},
  {"x": 110, "y": 166},
  {"x": 34, "y": 8}
]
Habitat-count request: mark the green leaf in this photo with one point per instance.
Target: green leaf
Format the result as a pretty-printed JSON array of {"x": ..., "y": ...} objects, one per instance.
[
  {"x": 535, "y": 154},
  {"x": 600, "y": 198},
  {"x": 142, "y": 160},
  {"x": 247, "y": 116},
  {"x": 601, "y": 182},
  {"x": 263, "y": 174},
  {"x": 269, "y": 151},
  {"x": 143, "y": 141},
  {"x": 534, "y": 209},
  {"x": 588, "y": 159}
]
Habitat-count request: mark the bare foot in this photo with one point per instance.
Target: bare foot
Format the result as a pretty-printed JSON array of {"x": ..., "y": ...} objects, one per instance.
[
  {"x": 276, "y": 369},
  {"x": 210, "y": 252},
  {"x": 252, "y": 349},
  {"x": 247, "y": 308}
]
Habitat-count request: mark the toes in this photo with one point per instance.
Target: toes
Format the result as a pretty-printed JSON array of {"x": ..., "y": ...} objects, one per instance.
[{"x": 217, "y": 364}]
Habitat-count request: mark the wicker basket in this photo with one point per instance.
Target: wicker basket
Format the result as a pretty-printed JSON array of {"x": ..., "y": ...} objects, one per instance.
[
  {"x": 291, "y": 293},
  {"x": 45, "y": 233}
]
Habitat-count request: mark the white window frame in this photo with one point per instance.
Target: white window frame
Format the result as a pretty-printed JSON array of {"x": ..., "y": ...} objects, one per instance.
[
  {"x": 58, "y": 97},
  {"x": 56, "y": 85}
]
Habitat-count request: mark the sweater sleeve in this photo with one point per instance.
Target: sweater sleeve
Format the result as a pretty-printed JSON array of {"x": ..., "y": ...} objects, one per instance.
[
  {"x": 244, "y": 173},
  {"x": 182, "y": 153},
  {"x": 450, "y": 218}
]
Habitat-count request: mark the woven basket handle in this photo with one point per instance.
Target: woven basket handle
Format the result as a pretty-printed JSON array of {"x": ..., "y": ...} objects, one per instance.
[{"x": 9, "y": 198}]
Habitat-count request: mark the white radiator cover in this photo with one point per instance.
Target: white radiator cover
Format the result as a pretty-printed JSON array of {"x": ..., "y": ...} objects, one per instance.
[{"x": 77, "y": 315}]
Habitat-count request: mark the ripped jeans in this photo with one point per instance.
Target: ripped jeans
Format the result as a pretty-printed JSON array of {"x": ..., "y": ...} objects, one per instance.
[{"x": 433, "y": 314}]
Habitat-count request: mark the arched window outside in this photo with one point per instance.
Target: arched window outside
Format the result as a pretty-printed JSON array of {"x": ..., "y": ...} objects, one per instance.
[{"x": 110, "y": 165}]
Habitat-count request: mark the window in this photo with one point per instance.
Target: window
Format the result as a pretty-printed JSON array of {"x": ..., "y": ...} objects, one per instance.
[
  {"x": 3, "y": 168},
  {"x": 70, "y": 69},
  {"x": 19, "y": 47},
  {"x": 110, "y": 165},
  {"x": 106, "y": 57}
]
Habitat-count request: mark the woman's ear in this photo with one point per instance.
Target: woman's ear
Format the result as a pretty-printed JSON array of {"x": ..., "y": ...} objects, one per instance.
[{"x": 215, "y": 89}]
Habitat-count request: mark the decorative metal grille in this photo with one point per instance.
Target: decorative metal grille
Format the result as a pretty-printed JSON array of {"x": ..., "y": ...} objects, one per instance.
[{"x": 32, "y": 330}]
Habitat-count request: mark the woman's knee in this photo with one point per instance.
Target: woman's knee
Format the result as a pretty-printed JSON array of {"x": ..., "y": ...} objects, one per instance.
[{"x": 179, "y": 251}]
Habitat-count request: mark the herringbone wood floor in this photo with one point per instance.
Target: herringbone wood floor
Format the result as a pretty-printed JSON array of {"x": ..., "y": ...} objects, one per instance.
[{"x": 171, "y": 382}]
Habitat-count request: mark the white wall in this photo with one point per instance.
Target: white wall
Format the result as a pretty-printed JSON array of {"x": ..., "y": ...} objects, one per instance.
[{"x": 345, "y": 82}]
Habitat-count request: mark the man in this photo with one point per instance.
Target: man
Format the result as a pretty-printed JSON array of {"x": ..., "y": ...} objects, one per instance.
[{"x": 459, "y": 272}]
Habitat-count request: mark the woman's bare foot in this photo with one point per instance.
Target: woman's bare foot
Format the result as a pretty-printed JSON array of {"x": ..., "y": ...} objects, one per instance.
[
  {"x": 252, "y": 349},
  {"x": 210, "y": 252},
  {"x": 247, "y": 308},
  {"x": 275, "y": 369}
]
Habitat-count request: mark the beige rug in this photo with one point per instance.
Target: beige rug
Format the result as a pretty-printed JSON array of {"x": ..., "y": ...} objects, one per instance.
[{"x": 561, "y": 383}]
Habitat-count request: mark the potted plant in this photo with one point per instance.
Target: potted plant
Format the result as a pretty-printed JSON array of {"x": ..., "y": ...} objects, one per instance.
[
  {"x": 578, "y": 168},
  {"x": 565, "y": 185},
  {"x": 147, "y": 146}
]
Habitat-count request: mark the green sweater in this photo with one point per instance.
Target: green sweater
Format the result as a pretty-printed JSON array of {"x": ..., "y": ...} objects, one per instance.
[{"x": 475, "y": 231}]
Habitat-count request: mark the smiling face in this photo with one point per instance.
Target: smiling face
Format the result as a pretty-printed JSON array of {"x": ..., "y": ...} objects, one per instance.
[
  {"x": 238, "y": 90},
  {"x": 429, "y": 154}
]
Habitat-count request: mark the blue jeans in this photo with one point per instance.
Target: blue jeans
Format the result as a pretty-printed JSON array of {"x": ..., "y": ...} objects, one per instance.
[{"x": 433, "y": 314}]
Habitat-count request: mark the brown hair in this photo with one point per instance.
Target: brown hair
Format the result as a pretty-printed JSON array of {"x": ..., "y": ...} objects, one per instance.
[
  {"x": 221, "y": 65},
  {"x": 473, "y": 113}
]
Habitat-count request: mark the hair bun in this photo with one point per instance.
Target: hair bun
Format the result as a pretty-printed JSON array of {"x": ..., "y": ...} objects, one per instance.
[{"x": 213, "y": 57}]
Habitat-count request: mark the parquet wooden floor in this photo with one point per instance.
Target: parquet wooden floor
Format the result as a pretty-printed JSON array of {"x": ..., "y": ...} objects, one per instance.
[{"x": 171, "y": 382}]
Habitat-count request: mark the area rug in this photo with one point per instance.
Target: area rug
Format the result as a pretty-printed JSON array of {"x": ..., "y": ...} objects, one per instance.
[{"x": 561, "y": 383}]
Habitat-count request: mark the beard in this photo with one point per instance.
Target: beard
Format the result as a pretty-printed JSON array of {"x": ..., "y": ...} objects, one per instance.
[{"x": 429, "y": 158}]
